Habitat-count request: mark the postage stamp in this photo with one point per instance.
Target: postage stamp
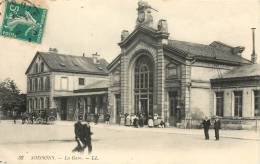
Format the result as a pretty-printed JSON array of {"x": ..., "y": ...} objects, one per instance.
[{"x": 23, "y": 21}]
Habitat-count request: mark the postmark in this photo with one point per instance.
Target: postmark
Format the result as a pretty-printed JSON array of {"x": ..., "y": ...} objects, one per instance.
[{"x": 23, "y": 21}]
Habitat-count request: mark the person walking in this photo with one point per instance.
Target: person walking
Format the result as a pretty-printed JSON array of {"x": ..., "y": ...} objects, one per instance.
[
  {"x": 217, "y": 126},
  {"x": 206, "y": 125},
  {"x": 78, "y": 130},
  {"x": 87, "y": 138},
  {"x": 107, "y": 118},
  {"x": 96, "y": 118},
  {"x": 14, "y": 116}
]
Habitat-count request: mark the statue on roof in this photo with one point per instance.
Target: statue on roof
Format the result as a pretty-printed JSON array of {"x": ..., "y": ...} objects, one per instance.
[{"x": 144, "y": 14}]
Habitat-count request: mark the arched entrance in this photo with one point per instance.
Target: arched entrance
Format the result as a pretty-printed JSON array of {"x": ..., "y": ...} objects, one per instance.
[{"x": 143, "y": 86}]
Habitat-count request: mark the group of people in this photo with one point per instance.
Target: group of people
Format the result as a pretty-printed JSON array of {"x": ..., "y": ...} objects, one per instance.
[
  {"x": 206, "y": 126},
  {"x": 139, "y": 120},
  {"x": 106, "y": 118}
]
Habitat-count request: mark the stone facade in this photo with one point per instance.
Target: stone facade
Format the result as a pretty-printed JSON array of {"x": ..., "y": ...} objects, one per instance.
[{"x": 181, "y": 74}]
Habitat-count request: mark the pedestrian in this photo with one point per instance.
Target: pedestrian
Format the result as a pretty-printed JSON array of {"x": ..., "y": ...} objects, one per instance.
[
  {"x": 96, "y": 118},
  {"x": 155, "y": 120},
  {"x": 79, "y": 137},
  {"x": 135, "y": 123},
  {"x": 87, "y": 137},
  {"x": 14, "y": 116},
  {"x": 206, "y": 125},
  {"x": 150, "y": 121},
  {"x": 141, "y": 120},
  {"x": 126, "y": 115},
  {"x": 107, "y": 118},
  {"x": 217, "y": 126}
]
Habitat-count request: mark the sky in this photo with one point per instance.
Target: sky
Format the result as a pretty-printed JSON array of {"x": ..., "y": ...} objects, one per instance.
[{"x": 88, "y": 26}]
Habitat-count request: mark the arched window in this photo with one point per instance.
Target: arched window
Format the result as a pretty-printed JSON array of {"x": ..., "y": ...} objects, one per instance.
[{"x": 143, "y": 86}]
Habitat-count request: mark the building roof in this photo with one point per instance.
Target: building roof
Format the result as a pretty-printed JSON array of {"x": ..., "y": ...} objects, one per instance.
[
  {"x": 72, "y": 64},
  {"x": 243, "y": 71},
  {"x": 214, "y": 51}
]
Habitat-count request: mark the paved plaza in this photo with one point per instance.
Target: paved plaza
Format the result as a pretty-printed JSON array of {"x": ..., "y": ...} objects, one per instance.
[{"x": 118, "y": 144}]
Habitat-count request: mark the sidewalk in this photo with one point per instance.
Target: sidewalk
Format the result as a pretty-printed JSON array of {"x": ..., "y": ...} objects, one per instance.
[{"x": 234, "y": 134}]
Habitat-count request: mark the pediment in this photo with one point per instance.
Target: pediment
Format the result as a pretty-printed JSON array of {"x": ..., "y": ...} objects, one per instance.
[{"x": 145, "y": 34}]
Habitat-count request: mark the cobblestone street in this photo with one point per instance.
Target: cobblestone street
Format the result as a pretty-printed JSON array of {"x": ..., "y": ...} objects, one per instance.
[{"x": 118, "y": 144}]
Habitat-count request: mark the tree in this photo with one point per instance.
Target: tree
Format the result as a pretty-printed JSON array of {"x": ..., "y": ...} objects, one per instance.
[{"x": 11, "y": 98}]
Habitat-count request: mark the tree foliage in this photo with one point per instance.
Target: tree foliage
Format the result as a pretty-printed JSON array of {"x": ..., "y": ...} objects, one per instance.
[{"x": 11, "y": 97}]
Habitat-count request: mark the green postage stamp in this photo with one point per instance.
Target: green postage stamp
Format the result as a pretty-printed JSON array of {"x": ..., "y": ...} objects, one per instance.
[{"x": 24, "y": 22}]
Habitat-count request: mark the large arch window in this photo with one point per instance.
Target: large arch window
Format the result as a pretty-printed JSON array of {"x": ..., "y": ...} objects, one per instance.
[{"x": 143, "y": 86}]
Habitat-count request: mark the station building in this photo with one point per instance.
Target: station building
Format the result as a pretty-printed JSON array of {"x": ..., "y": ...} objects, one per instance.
[
  {"x": 179, "y": 80},
  {"x": 154, "y": 74}
]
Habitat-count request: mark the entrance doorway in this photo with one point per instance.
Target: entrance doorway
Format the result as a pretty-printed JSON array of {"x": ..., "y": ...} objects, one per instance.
[
  {"x": 63, "y": 112},
  {"x": 144, "y": 107},
  {"x": 173, "y": 108}
]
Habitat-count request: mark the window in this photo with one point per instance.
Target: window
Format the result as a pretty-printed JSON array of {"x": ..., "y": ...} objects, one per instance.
[
  {"x": 47, "y": 103},
  {"x": 36, "y": 68},
  {"x": 36, "y": 84},
  {"x": 220, "y": 104},
  {"x": 143, "y": 86},
  {"x": 30, "y": 85},
  {"x": 32, "y": 104},
  {"x": 42, "y": 67},
  {"x": 257, "y": 103},
  {"x": 41, "y": 84},
  {"x": 172, "y": 71},
  {"x": 81, "y": 81},
  {"x": 64, "y": 83},
  {"x": 238, "y": 103},
  {"x": 36, "y": 103},
  {"x": 47, "y": 84},
  {"x": 41, "y": 103}
]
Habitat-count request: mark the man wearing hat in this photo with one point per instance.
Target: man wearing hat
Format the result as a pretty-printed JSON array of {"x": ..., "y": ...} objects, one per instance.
[
  {"x": 217, "y": 126},
  {"x": 79, "y": 136},
  {"x": 206, "y": 126},
  {"x": 87, "y": 137}
]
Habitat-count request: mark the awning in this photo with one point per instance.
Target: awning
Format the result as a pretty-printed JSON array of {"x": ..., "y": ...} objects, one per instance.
[{"x": 80, "y": 94}]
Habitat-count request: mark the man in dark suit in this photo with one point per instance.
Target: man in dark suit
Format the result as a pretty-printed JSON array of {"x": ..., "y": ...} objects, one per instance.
[
  {"x": 79, "y": 137},
  {"x": 217, "y": 126},
  {"x": 87, "y": 137},
  {"x": 206, "y": 126}
]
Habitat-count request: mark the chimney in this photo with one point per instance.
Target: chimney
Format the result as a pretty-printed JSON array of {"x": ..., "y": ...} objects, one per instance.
[
  {"x": 96, "y": 58},
  {"x": 253, "y": 56},
  {"x": 55, "y": 50}
]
